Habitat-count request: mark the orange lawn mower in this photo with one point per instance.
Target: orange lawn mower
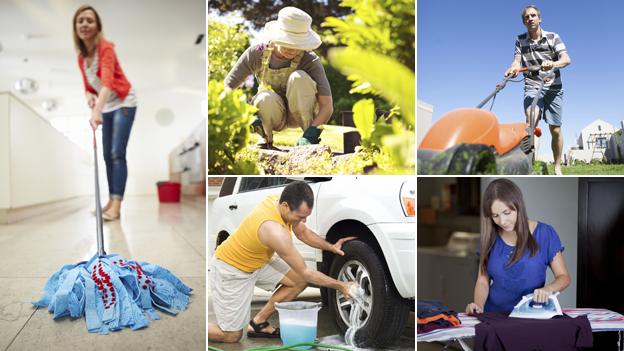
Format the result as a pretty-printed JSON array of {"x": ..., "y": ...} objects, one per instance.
[{"x": 472, "y": 141}]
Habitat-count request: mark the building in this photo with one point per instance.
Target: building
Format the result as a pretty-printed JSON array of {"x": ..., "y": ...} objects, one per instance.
[
  {"x": 592, "y": 142},
  {"x": 615, "y": 147}
]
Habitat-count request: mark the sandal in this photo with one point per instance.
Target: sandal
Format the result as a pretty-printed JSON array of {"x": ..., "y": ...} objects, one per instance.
[
  {"x": 106, "y": 216},
  {"x": 258, "y": 333}
]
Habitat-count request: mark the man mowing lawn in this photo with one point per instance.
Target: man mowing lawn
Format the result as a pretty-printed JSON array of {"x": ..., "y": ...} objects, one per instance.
[{"x": 546, "y": 49}]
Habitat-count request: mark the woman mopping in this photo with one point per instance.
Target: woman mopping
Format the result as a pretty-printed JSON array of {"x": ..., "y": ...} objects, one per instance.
[{"x": 111, "y": 99}]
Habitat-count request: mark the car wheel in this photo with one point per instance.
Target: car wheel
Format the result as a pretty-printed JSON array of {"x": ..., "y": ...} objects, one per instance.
[{"x": 384, "y": 312}]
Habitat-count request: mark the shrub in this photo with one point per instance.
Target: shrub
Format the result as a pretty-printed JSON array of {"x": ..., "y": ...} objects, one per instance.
[
  {"x": 229, "y": 117},
  {"x": 225, "y": 45}
]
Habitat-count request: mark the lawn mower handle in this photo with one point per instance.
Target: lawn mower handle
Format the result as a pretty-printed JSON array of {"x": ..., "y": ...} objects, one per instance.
[{"x": 501, "y": 85}]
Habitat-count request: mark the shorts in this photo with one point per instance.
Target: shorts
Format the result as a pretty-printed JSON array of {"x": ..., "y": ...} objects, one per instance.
[
  {"x": 231, "y": 289},
  {"x": 550, "y": 104}
]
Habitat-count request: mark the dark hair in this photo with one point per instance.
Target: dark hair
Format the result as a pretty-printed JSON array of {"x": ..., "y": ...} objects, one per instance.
[
  {"x": 506, "y": 191},
  {"x": 539, "y": 13},
  {"x": 78, "y": 43},
  {"x": 295, "y": 193}
]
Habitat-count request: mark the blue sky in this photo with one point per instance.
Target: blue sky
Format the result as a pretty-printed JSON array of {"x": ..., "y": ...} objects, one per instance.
[{"x": 464, "y": 47}]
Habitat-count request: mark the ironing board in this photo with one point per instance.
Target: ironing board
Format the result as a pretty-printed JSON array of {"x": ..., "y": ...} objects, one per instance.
[{"x": 600, "y": 320}]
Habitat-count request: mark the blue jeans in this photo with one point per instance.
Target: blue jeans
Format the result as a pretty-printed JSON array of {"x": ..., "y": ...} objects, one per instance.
[{"x": 116, "y": 126}]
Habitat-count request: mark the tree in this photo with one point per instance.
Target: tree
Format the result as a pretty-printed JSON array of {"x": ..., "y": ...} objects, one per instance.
[
  {"x": 225, "y": 44},
  {"x": 259, "y": 12}
]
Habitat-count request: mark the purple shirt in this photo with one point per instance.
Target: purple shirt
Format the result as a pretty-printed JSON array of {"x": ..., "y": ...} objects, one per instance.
[{"x": 511, "y": 283}]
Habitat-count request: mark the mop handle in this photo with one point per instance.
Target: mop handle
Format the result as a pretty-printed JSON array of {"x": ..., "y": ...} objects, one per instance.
[{"x": 98, "y": 206}]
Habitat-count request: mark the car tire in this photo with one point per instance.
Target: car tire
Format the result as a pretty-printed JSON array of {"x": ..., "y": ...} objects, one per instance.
[{"x": 387, "y": 311}]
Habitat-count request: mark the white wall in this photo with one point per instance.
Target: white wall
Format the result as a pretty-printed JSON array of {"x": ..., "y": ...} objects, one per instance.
[
  {"x": 554, "y": 201},
  {"x": 44, "y": 166},
  {"x": 593, "y": 128},
  {"x": 5, "y": 198},
  {"x": 150, "y": 143}
]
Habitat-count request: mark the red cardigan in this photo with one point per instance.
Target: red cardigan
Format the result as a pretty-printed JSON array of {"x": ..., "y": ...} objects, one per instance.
[{"x": 109, "y": 71}]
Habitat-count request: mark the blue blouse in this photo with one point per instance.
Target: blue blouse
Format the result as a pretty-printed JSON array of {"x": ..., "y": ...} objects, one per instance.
[{"x": 511, "y": 283}]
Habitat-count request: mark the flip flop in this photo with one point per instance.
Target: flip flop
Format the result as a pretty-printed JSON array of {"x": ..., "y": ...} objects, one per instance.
[{"x": 258, "y": 333}]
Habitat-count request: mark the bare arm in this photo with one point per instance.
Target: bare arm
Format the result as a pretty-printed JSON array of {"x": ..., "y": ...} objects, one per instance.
[
  {"x": 326, "y": 108},
  {"x": 481, "y": 291},
  {"x": 310, "y": 238},
  {"x": 277, "y": 238},
  {"x": 515, "y": 65},
  {"x": 96, "y": 111},
  {"x": 562, "y": 279},
  {"x": 563, "y": 61}
]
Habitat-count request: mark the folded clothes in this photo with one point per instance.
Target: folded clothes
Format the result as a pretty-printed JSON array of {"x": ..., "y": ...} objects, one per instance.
[{"x": 432, "y": 315}]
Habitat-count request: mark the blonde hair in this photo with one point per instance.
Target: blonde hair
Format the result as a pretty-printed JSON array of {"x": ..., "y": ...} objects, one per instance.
[{"x": 80, "y": 46}]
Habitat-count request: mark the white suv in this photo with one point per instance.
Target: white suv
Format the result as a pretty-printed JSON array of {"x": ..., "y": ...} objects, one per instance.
[{"x": 378, "y": 210}]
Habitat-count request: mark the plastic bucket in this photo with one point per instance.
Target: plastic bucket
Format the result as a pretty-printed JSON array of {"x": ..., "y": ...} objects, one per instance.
[
  {"x": 168, "y": 191},
  {"x": 298, "y": 322}
]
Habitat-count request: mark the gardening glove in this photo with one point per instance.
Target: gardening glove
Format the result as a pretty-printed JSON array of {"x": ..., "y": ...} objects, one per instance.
[{"x": 310, "y": 136}]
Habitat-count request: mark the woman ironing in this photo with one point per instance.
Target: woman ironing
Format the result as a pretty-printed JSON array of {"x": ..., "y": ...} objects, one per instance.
[{"x": 515, "y": 253}]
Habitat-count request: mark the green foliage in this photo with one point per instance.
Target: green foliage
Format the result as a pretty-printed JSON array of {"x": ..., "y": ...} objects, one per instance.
[
  {"x": 380, "y": 43},
  {"x": 540, "y": 168},
  {"x": 390, "y": 79},
  {"x": 582, "y": 168},
  {"x": 260, "y": 12},
  {"x": 225, "y": 45},
  {"x": 344, "y": 98},
  {"x": 229, "y": 117},
  {"x": 364, "y": 117},
  {"x": 386, "y": 27}
]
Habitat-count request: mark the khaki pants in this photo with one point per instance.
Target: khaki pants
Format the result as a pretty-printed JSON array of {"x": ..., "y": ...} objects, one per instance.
[
  {"x": 302, "y": 105},
  {"x": 231, "y": 290}
]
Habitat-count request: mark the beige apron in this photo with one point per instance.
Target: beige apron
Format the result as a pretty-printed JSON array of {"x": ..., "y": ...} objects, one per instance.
[{"x": 286, "y": 96}]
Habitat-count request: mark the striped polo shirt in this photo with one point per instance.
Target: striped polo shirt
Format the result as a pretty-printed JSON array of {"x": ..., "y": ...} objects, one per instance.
[{"x": 533, "y": 52}]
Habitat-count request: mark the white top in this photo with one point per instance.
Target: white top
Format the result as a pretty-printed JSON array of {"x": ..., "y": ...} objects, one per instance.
[{"x": 114, "y": 102}]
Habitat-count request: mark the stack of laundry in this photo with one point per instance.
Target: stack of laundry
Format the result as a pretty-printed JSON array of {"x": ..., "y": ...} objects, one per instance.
[{"x": 434, "y": 315}]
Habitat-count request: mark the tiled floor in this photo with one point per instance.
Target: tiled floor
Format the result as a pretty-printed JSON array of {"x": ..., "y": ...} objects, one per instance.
[{"x": 169, "y": 235}]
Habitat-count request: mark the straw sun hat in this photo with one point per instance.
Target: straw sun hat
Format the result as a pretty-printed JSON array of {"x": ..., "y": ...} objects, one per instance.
[{"x": 293, "y": 30}]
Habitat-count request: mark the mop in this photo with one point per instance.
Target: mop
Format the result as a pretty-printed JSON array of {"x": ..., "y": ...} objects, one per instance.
[{"x": 111, "y": 292}]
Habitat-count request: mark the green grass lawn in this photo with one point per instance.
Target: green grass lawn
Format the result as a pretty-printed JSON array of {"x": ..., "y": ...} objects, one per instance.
[
  {"x": 331, "y": 136},
  {"x": 596, "y": 169}
]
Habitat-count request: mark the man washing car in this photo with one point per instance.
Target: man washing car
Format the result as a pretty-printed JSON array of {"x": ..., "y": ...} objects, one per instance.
[{"x": 246, "y": 260}]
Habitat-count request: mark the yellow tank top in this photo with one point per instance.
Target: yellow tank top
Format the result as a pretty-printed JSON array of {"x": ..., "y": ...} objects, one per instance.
[{"x": 243, "y": 249}]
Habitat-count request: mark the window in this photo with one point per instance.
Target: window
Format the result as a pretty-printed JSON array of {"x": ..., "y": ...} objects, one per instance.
[
  {"x": 601, "y": 142},
  {"x": 255, "y": 183}
]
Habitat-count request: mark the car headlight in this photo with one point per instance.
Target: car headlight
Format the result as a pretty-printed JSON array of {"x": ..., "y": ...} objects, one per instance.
[{"x": 407, "y": 196}]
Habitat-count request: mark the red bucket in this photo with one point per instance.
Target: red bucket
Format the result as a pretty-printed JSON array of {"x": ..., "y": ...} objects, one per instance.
[{"x": 168, "y": 191}]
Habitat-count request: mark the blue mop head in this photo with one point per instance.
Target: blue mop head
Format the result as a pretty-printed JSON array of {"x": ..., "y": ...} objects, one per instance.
[{"x": 113, "y": 293}]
